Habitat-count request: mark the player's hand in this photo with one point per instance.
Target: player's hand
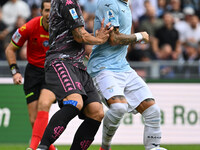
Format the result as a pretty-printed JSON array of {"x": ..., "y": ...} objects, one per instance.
[
  {"x": 17, "y": 78},
  {"x": 145, "y": 37},
  {"x": 88, "y": 56},
  {"x": 103, "y": 32}
]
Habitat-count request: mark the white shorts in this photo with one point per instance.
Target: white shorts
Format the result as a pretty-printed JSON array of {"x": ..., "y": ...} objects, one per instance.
[{"x": 128, "y": 84}]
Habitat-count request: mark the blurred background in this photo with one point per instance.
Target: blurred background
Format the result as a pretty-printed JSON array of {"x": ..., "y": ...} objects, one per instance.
[{"x": 170, "y": 64}]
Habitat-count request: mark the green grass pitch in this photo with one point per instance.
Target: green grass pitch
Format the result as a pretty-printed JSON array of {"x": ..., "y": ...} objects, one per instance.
[{"x": 114, "y": 147}]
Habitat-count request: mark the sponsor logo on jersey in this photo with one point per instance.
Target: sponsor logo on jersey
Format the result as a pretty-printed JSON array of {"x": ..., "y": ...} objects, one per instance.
[
  {"x": 23, "y": 28},
  {"x": 16, "y": 36},
  {"x": 108, "y": 5},
  {"x": 46, "y": 43},
  {"x": 111, "y": 15},
  {"x": 68, "y": 2},
  {"x": 73, "y": 13}
]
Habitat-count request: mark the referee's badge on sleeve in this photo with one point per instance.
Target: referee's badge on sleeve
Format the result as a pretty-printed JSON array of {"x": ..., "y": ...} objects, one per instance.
[
  {"x": 73, "y": 13},
  {"x": 16, "y": 36}
]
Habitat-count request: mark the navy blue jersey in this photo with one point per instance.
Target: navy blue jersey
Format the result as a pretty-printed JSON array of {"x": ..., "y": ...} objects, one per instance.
[{"x": 65, "y": 15}]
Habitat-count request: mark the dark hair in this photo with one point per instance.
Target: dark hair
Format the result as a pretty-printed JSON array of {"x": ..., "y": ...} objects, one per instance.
[{"x": 44, "y": 1}]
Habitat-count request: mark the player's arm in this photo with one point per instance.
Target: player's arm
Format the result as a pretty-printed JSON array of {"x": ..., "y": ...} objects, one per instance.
[
  {"x": 11, "y": 58},
  {"x": 82, "y": 36},
  {"x": 117, "y": 38}
]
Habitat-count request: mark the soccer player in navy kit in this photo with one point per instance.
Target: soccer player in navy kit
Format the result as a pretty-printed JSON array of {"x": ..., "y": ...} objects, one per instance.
[
  {"x": 66, "y": 76},
  {"x": 123, "y": 90}
]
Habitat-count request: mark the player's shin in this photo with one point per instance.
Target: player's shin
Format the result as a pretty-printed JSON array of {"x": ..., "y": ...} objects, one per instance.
[
  {"x": 152, "y": 132},
  {"x": 85, "y": 134},
  {"x": 39, "y": 128},
  {"x": 111, "y": 122},
  {"x": 57, "y": 125}
]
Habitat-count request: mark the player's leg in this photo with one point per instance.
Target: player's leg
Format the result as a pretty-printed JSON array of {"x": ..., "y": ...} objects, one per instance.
[
  {"x": 111, "y": 85},
  {"x": 92, "y": 113},
  {"x": 72, "y": 105},
  {"x": 61, "y": 79},
  {"x": 140, "y": 97},
  {"x": 32, "y": 111},
  {"x": 87, "y": 130},
  {"x": 152, "y": 132},
  {"x": 45, "y": 100},
  {"x": 32, "y": 90},
  {"x": 117, "y": 108}
]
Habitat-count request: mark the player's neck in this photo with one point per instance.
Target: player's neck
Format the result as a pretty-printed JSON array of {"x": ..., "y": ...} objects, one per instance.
[{"x": 45, "y": 25}]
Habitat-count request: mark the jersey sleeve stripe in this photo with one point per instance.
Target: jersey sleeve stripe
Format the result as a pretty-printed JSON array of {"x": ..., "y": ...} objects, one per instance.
[{"x": 15, "y": 45}]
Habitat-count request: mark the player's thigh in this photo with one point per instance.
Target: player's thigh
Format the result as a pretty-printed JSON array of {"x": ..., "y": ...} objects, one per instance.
[
  {"x": 46, "y": 98},
  {"x": 63, "y": 80},
  {"x": 109, "y": 84},
  {"x": 92, "y": 106},
  {"x": 136, "y": 91},
  {"x": 34, "y": 80}
]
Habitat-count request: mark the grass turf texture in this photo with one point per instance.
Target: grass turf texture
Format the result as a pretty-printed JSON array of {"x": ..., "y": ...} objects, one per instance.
[{"x": 114, "y": 147}]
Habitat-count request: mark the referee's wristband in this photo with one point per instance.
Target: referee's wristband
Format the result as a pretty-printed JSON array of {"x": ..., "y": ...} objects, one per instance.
[
  {"x": 14, "y": 69},
  {"x": 139, "y": 37}
]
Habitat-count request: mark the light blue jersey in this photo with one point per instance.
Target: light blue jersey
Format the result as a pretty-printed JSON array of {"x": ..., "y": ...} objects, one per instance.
[{"x": 106, "y": 56}]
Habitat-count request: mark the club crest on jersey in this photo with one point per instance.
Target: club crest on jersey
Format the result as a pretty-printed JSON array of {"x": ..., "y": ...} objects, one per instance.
[
  {"x": 73, "y": 13},
  {"x": 23, "y": 28},
  {"x": 111, "y": 15},
  {"x": 16, "y": 36},
  {"x": 46, "y": 43}
]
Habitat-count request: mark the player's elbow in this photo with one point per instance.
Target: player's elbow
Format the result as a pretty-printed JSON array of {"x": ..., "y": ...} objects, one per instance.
[{"x": 79, "y": 39}]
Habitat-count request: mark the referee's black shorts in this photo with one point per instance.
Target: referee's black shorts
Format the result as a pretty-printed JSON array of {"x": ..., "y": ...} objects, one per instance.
[
  {"x": 63, "y": 79},
  {"x": 34, "y": 81}
]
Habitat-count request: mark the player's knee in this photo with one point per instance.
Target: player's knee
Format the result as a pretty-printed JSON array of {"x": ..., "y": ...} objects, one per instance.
[
  {"x": 44, "y": 105},
  {"x": 152, "y": 116},
  {"x": 97, "y": 114},
  {"x": 94, "y": 111},
  {"x": 118, "y": 110}
]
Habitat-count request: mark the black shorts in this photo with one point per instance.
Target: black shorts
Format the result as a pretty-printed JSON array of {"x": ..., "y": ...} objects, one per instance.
[
  {"x": 64, "y": 79},
  {"x": 34, "y": 81}
]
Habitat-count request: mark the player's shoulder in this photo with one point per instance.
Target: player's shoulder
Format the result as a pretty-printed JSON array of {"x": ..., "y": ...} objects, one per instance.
[
  {"x": 107, "y": 4},
  {"x": 35, "y": 20},
  {"x": 30, "y": 25}
]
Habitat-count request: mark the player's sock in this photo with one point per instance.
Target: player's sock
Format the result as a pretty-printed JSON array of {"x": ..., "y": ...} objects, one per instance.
[
  {"x": 85, "y": 134},
  {"x": 52, "y": 147},
  {"x": 152, "y": 132},
  {"x": 111, "y": 123},
  {"x": 102, "y": 148},
  {"x": 58, "y": 124},
  {"x": 38, "y": 128}
]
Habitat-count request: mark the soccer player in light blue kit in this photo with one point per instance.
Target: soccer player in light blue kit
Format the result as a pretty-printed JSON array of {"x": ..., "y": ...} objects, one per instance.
[{"x": 123, "y": 90}]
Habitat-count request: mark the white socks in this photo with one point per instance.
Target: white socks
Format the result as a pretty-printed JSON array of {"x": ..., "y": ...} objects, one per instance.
[
  {"x": 152, "y": 132},
  {"x": 111, "y": 122}
]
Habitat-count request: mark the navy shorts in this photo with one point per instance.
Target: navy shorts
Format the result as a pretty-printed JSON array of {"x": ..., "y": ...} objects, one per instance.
[
  {"x": 34, "y": 81},
  {"x": 63, "y": 79}
]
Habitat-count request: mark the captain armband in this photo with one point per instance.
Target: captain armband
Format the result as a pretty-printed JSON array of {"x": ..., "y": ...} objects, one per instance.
[{"x": 14, "y": 69}]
